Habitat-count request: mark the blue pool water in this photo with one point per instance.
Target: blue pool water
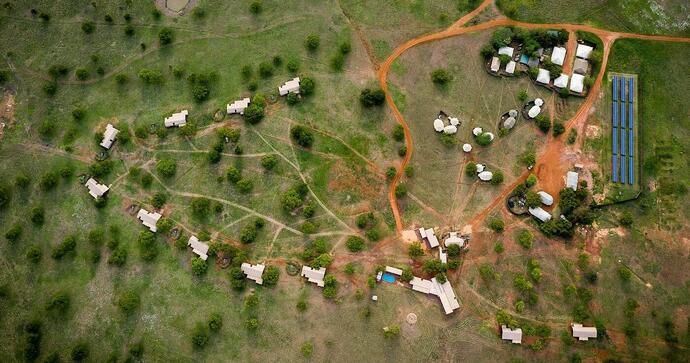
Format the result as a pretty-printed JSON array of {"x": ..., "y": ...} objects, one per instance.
[{"x": 388, "y": 278}]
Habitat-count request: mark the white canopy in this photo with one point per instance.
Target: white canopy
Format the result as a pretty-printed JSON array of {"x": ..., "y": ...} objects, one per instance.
[
  {"x": 454, "y": 121},
  {"x": 505, "y": 51},
  {"x": 510, "y": 67},
  {"x": 480, "y": 168},
  {"x": 450, "y": 129},
  {"x": 534, "y": 111},
  {"x": 546, "y": 198},
  {"x": 438, "y": 125},
  {"x": 540, "y": 214},
  {"x": 558, "y": 55},
  {"x": 466, "y": 148},
  {"x": 477, "y": 131},
  {"x": 495, "y": 64},
  {"x": 513, "y": 113},
  {"x": 509, "y": 123},
  {"x": 583, "y": 51},
  {"x": 561, "y": 81},
  {"x": 486, "y": 175},
  {"x": 538, "y": 101},
  {"x": 544, "y": 76},
  {"x": 577, "y": 83}
]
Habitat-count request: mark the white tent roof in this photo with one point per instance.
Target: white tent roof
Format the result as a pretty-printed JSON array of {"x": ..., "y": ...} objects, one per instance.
[
  {"x": 95, "y": 189},
  {"x": 394, "y": 271},
  {"x": 109, "y": 136},
  {"x": 540, "y": 214},
  {"x": 577, "y": 83},
  {"x": 466, "y": 148},
  {"x": 491, "y": 136},
  {"x": 538, "y": 102},
  {"x": 510, "y": 67},
  {"x": 438, "y": 125},
  {"x": 583, "y": 332},
  {"x": 421, "y": 285},
  {"x": 148, "y": 219},
  {"x": 486, "y": 175},
  {"x": 477, "y": 131},
  {"x": 178, "y": 119},
  {"x": 561, "y": 81},
  {"x": 558, "y": 55},
  {"x": 495, "y": 64},
  {"x": 514, "y": 335},
  {"x": 509, "y": 123},
  {"x": 314, "y": 275},
  {"x": 198, "y": 247},
  {"x": 238, "y": 106},
  {"x": 454, "y": 239},
  {"x": 571, "y": 180},
  {"x": 546, "y": 198},
  {"x": 534, "y": 111},
  {"x": 454, "y": 121},
  {"x": 544, "y": 76},
  {"x": 291, "y": 86},
  {"x": 506, "y": 51},
  {"x": 583, "y": 51},
  {"x": 253, "y": 272},
  {"x": 513, "y": 113},
  {"x": 480, "y": 168},
  {"x": 450, "y": 129}
]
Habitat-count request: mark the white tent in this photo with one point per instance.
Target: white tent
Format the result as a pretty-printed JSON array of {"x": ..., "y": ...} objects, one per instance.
[
  {"x": 544, "y": 76},
  {"x": 577, "y": 83},
  {"x": 540, "y": 214},
  {"x": 558, "y": 55},
  {"x": 583, "y": 51},
  {"x": 495, "y": 64},
  {"x": 477, "y": 131},
  {"x": 454, "y": 239},
  {"x": 109, "y": 136},
  {"x": 486, "y": 175},
  {"x": 561, "y": 81},
  {"x": 491, "y": 136},
  {"x": 583, "y": 333},
  {"x": 454, "y": 121},
  {"x": 438, "y": 125},
  {"x": 509, "y": 123},
  {"x": 291, "y": 86},
  {"x": 546, "y": 198},
  {"x": 534, "y": 111},
  {"x": 466, "y": 148},
  {"x": 510, "y": 67},
  {"x": 513, "y": 113},
  {"x": 506, "y": 51},
  {"x": 450, "y": 129},
  {"x": 480, "y": 168},
  {"x": 514, "y": 335},
  {"x": 538, "y": 101}
]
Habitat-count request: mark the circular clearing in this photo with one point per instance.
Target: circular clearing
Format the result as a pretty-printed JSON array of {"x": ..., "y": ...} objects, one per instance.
[{"x": 411, "y": 318}]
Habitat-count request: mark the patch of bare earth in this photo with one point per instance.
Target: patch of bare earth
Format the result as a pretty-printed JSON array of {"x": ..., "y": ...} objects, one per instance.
[
  {"x": 175, "y": 7},
  {"x": 6, "y": 112}
]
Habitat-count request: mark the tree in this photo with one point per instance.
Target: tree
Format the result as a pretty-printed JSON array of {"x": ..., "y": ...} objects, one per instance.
[
  {"x": 199, "y": 266},
  {"x": 80, "y": 352},
  {"x": 248, "y": 233},
  {"x": 200, "y": 336},
  {"x": 164, "y": 225},
  {"x": 543, "y": 123},
  {"x": 398, "y": 133},
  {"x": 67, "y": 246},
  {"x": 88, "y": 27},
  {"x": 558, "y": 128},
  {"x": 128, "y": 301},
  {"x": 255, "y": 7},
  {"x": 355, "y": 244},
  {"x": 441, "y": 76},
  {"x": 306, "y": 86},
  {"x": 330, "y": 287},
  {"x": 625, "y": 219},
  {"x": 497, "y": 178},
  {"x": 522, "y": 95},
  {"x": 166, "y": 167},
  {"x": 215, "y": 322},
  {"x": 34, "y": 254},
  {"x": 291, "y": 200},
  {"x": 292, "y": 99},
  {"x": 484, "y": 139},
  {"x": 244, "y": 186},
  {"x": 302, "y": 136},
  {"x": 400, "y": 191},
  {"x": 531, "y": 181},
  {"x": 37, "y": 216},
  {"x": 253, "y": 114},
  {"x": 453, "y": 250},
  {"x": 269, "y": 162},
  {"x": 14, "y": 233},
  {"x": 165, "y": 36},
  {"x": 369, "y": 97},
  {"x": 271, "y": 275},
  {"x": 415, "y": 250},
  {"x": 501, "y": 37},
  {"x": 150, "y": 76},
  {"x": 525, "y": 239},
  {"x": 471, "y": 169},
  {"x": 200, "y": 207},
  {"x": 497, "y": 225},
  {"x": 147, "y": 245},
  {"x": 58, "y": 303},
  {"x": 312, "y": 42},
  {"x": 292, "y": 66},
  {"x": 532, "y": 199}
]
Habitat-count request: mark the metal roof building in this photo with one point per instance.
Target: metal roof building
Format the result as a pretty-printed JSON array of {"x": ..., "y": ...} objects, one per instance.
[
  {"x": 291, "y": 86},
  {"x": 514, "y": 335},
  {"x": 95, "y": 189},
  {"x": 109, "y": 136},
  {"x": 253, "y": 272},
  {"x": 314, "y": 275},
  {"x": 178, "y": 119},
  {"x": 583, "y": 333},
  {"x": 198, "y": 247},
  {"x": 148, "y": 219},
  {"x": 238, "y": 106}
]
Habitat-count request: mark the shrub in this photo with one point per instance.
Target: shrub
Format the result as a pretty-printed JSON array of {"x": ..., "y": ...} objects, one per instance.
[
  {"x": 337, "y": 61},
  {"x": 14, "y": 233},
  {"x": 200, "y": 336},
  {"x": 58, "y": 70},
  {"x": 165, "y": 36},
  {"x": 150, "y": 76},
  {"x": 58, "y": 303},
  {"x": 199, "y": 266},
  {"x": 251, "y": 324},
  {"x": 88, "y": 27},
  {"x": 369, "y": 97},
  {"x": 345, "y": 47},
  {"x": 292, "y": 99},
  {"x": 391, "y": 331},
  {"x": 624, "y": 273},
  {"x": 237, "y": 280},
  {"x": 531, "y": 181},
  {"x": 164, "y": 225},
  {"x": 166, "y": 167},
  {"x": 626, "y": 219},
  {"x": 525, "y": 239},
  {"x": 200, "y": 207},
  {"x": 50, "y": 88},
  {"x": 34, "y": 254},
  {"x": 68, "y": 245},
  {"x": 409, "y": 171},
  {"x": 129, "y": 30},
  {"x": 572, "y": 136},
  {"x": 453, "y": 250},
  {"x": 441, "y": 76},
  {"x": 484, "y": 139},
  {"x": 497, "y": 178},
  {"x": 253, "y": 114},
  {"x": 402, "y": 151},
  {"x": 118, "y": 257},
  {"x": 330, "y": 289},
  {"x": 533, "y": 199},
  {"x": 147, "y": 245},
  {"x": 292, "y": 65},
  {"x": 498, "y": 247},
  {"x": 37, "y": 216},
  {"x": 269, "y": 162},
  {"x": 355, "y": 244},
  {"x": 522, "y": 95},
  {"x": 307, "y": 86},
  {"x": 302, "y": 136},
  {"x": 373, "y": 234},
  {"x": 255, "y": 7},
  {"x": 233, "y": 174},
  {"x": 158, "y": 199},
  {"x": 398, "y": 133},
  {"x": 265, "y": 69},
  {"x": 80, "y": 352},
  {"x": 128, "y": 301},
  {"x": 121, "y": 78},
  {"x": 558, "y": 129},
  {"x": 415, "y": 250},
  {"x": 199, "y": 13},
  {"x": 271, "y": 275},
  {"x": 543, "y": 123},
  {"x": 248, "y": 233},
  {"x": 22, "y": 181},
  {"x": 312, "y": 42},
  {"x": 496, "y": 225},
  {"x": 390, "y": 172},
  {"x": 215, "y": 322},
  {"x": 400, "y": 191}
]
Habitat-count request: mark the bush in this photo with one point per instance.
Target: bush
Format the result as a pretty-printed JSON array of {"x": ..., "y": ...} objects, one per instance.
[
  {"x": 496, "y": 225},
  {"x": 128, "y": 301},
  {"x": 200, "y": 207},
  {"x": 441, "y": 76},
  {"x": 14, "y": 233},
  {"x": 306, "y": 86},
  {"x": 392, "y": 331},
  {"x": 244, "y": 186},
  {"x": 415, "y": 250},
  {"x": 453, "y": 250},
  {"x": 543, "y": 123},
  {"x": 302, "y": 136},
  {"x": 81, "y": 74},
  {"x": 265, "y": 69},
  {"x": 200, "y": 336},
  {"x": 129, "y": 30},
  {"x": 533, "y": 199},
  {"x": 355, "y": 244},
  {"x": 37, "y": 216},
  {"x": 497, "y": 178},
  {"x": 624, "y": 273},
  {"x": 398, "y": 133},
  {"x": 80, "y": 352},
  {"x": 68, "y": 245},
  {"x": 531, "y": 181},
  {"x": 271, "y": 275},
  {"x": 233, "y": 174},
  {"x": 121, "y": 78},
  {"x": 88, "y": 27},
  {"x": 118, "y": 257},
  {"x": 215, "y": 322},
  {"x": 402, "y": 151},
  {"x": 147, "y": 245},
  {"x": 292, "y": 99},
  {"x": 166, "y": 167},
  {"x": 253, "y": 114},
  {"x": 525, "y": 239},
  {"x": 369, "y": 97},
  {"x": 199, "y": 266},
  {"x": 269, "y": 162},
  {"x": 400, "y": 191},
  {"x": 150, "y": 76},
  {"x": 58, "y": 303},
  {"x": 572, "y": 136},
  {"x": 345, "y": 47},
  {"x": 312, "y": 42},
  {"x": 484, "y": 139},
  {"x": 34, "y": 254},
  {"x": 626, "y": 219},
  {"x": 330, "y": 289},
  {"x": 471, "y": 169},
  {"x": 558, "y": 129},
  {"x": 165, "y": 36},
  {"x": 248, "y": 233},
  {"x": 292, "y": 65},
  {"x": 307, "y": 349}
]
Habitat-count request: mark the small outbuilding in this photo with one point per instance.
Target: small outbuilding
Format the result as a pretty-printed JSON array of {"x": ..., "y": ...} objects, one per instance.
[
  {"x": 199, "y": 248},
  {"x": 540, "y": 214},
  {"x": 546, "y": 198},
  {"x": 148, "y": 219},
  {"x": 558, "y": 55},
  {"x": 538, "y": 102},
  {"x": 509, "y": 123},
  {"x": 506, "y": 51},
  {"x": 534, "y": 111},
  {"x": 313, "y": 275},
  {"x": 109, "y": 136},
  {"x": 583, "y": 51},
  {"x": 178, "y": 119},
  {"x": 477, "y": 131},
  {"x": 238, "y": 106},
  {"x": 577, "y": 83},
  {"x": 485, "y": 175},
  {"x": 561, "y": 81},
  {"x": 513, "y": 113},
  {"x": 510, "y": 67},
  {"x": 543, "y": 76},
  {"x": 291, "y": 86},
  {"x": 583, "y": 333},
  {"x": 480, "y": 167},
  {"x": 438, "y": 125},
  {"x": 95, "y": 189},
  {"x": 514, "y": 335},
  {"x": 495, "y": 64},
  {"x": 253, "y": 272},
  {"x": 466, "y": 148},
  {"x": 450, "y": 129},
  {"x": 571, "y": 180},
  {"x": 454, "y": 121},
  {"x": 431, "y": 238}
]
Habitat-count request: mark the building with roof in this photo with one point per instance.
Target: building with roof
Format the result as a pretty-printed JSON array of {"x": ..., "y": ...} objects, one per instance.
[
  {"x": 534, "y": 111},
  {"x": 431, "y": 238},
  {"x": 238, "y": 106},
  {"x": 561, "y": 81},
  {"x": 506, "y": 51},
  {"x": 291, "y": 86},
  {"x": 313, "y": 275},
  {"x": 444, "y": 292},
  {"x": 583, "y": 51},
  {"x": 442, "y": 255},
  {"x": 450, "y": 130},
  {"x": 466, "y": 148},
  {"x": 546, "y": 198},
  {"x": 495, "y": 64},
  {"x": 583, "y": 333},
  {"x": 543, "y": 76},
  {"x": 438, "y": 125},
  {"x": 148, "y": 219},
  {"x": 558, "y": 55},
  {"x": 421, "y": 285},
  {"x": 580, "y": 66},
  {"x": 454, "y": 239},
  {"x": 577, "y": 83},
  {"x": 514, "y": 335},
  {"x": 253, "y": 272},
  {"x": 198, "y": 247},
  {"x": 393, "y": 270},
  {"x": 485, "y": 175},
  {"x": 109, "y": 136},
  {"x": 95, "y": 189},
  {"x": 571, "y": 180},
  {"x": 510, "y": 67},
  {"x": 540, "y": 214},
  {"x": 178, "y": 119},
  {"x": 509, "y": 123}
]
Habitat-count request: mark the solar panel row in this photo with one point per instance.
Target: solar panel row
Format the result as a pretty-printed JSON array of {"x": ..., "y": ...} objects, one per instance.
[
  {"x": 615, "y": 114},
  {"x": 622, "y": 132},
  {"x": 631, "y": 115},
  {"x": 615, "y": 88},
  {"x": 631, "y": 82}
]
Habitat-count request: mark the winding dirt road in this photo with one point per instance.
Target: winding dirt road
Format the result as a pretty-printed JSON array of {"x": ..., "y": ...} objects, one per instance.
[{"x": 549, "y": 169}]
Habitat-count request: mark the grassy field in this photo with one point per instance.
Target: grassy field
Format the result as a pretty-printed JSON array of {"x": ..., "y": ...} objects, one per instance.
[{"x": 637, "y": 16}]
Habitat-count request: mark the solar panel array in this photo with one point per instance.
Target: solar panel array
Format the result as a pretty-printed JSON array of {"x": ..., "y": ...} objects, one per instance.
[{"x": 623, "y": 145}]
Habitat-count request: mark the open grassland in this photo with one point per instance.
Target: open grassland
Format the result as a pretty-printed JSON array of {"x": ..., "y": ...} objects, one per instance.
[
  {"x": 635, "y": 16},
  {"x": 478, "y": 100}
]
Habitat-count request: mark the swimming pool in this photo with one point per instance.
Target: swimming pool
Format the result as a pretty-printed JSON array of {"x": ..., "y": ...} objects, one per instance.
[{"x": 388, "y": 278}]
